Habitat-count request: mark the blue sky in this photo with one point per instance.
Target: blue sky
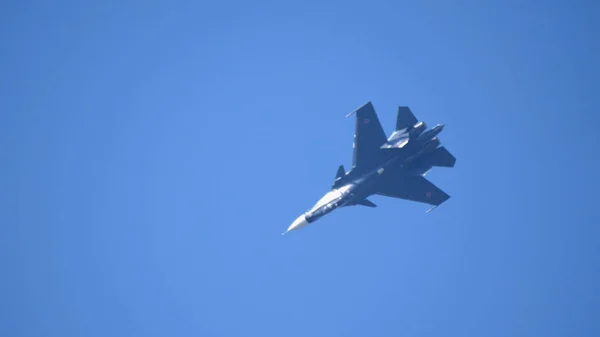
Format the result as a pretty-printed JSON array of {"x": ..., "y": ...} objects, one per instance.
[{"x": 153, "y": 152}]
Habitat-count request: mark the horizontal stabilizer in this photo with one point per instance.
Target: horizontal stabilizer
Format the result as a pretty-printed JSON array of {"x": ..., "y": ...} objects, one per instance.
[
  {"x": 366, "y": 202},
  {"x": 441, "y": 158}
]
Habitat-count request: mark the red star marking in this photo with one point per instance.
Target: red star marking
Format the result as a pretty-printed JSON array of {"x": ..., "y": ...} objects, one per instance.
[
  {"x": 367, "y": 121},
  {"x": 428, "y": 194}
]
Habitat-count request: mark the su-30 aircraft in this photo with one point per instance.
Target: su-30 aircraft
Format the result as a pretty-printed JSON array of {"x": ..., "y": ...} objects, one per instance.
[{"x": 392, "y": 167}]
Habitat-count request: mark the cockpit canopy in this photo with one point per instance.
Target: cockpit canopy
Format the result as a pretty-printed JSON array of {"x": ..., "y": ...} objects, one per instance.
[{"x": 330, "y": 196}]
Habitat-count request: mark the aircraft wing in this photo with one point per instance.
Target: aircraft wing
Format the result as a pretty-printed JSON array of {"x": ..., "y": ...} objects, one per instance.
[
  {"x": 411, "y": 187},
  {"x": 368, "y": 138},
  {"x": 405, "y": 118}
]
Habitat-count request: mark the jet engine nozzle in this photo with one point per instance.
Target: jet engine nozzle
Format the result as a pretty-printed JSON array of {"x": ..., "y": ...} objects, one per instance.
[
  {"x": 431, "y": 145},
  {"x": 417, "y": 129}
]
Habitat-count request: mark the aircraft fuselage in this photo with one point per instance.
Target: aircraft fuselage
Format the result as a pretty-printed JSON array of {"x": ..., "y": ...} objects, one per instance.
[
  {"x": 390, "y": 166},
  {"x": 351, "y": 190}
]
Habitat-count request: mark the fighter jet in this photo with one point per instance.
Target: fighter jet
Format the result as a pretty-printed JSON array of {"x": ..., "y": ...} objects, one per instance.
[{"x": 393, "y": 166}]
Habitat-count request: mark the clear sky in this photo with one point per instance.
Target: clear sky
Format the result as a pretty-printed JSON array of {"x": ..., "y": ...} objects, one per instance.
[{"x": 152, "y": 153}]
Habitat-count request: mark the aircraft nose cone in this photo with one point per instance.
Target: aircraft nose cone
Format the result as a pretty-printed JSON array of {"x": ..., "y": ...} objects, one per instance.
[{"x": 298, "y": 223}]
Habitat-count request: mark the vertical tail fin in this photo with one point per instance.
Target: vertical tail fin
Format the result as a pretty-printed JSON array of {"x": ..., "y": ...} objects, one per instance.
[
  {"x": 368, "y": 138},
  {"x": 405, "y": 118}
]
